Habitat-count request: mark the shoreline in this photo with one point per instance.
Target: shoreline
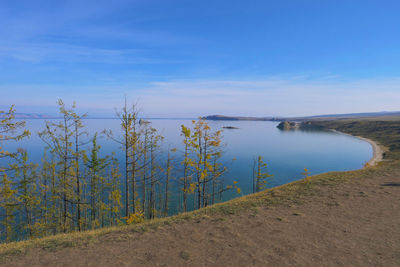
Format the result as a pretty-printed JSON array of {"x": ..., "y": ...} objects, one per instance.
[{"x": 377, "y": 149}]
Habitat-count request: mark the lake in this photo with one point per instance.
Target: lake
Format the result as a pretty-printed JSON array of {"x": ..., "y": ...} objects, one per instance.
[{"x": 287, "y": 153}]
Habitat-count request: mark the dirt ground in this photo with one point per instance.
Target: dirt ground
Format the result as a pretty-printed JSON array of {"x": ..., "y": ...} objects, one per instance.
[{"x": 355, "y": 223}]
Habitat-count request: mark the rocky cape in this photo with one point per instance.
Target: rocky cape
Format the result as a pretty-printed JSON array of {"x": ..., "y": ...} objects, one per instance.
[{"x": 292, "y": 125}]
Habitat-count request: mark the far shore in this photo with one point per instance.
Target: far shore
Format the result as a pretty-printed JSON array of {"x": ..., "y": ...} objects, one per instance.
[{"x": 378, "y": 150}]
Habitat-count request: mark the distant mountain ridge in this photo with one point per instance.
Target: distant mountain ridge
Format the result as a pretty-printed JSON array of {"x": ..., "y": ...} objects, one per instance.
[
  {"x": 29, "y": 116},
  {"x": 244, "y": 118},
  {"x": 315, "y": 117},
  {"x": 364, "y": 114}
]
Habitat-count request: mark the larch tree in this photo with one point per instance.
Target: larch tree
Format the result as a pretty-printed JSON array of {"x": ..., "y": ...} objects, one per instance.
[
  {"x": 115, "y": 192},
  {"x": 168, "y": 171},
  {"x": 10, "y": 130},
  {"x": 60, "y": 138},
  {"x": 78, "y": 155},
  {"x": 217, "y": 172},
  {"x": 154, "y": 143},
  {"x": 8, "y": 204},
  {"x": 202, "y": 156},
  {"x": 46, "y": 190},
  {"x": 96, "y": 166},
  {"x": 26, "y": 177},
  {"x": 130, "y": 143},
  {"x": 206, "y": 145},
  {"x": 187, "y": 163},
  {"x": 262, "y": 176}
]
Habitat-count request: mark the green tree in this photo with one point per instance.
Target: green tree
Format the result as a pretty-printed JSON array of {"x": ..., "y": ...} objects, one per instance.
[
  {"x": 130, "y": 142},
  {"x": 10, "y": 130},
  {"x": 8, "y": 204},
  {"x": 207, "y": 148},
  {"x": 187, "y": 163},
  {"x": 115, "y": 193},
  {"x": 47, "y": 195},
  {"x": 62, "y": 141},
  {"x": 154, "y": 143},
  {"x": 168, "y": 170},
  {"x": 262, "y": 177},
  {"x": 217, "y": 172},
  {"x": 202, "y": 154},
  {"x": 96, "y": 172},
  {"x": 25, "y": 174},
  {"x": 78, "y": 155}
]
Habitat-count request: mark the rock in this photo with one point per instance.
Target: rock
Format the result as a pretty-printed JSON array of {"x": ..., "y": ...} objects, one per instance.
[
  {"x": 230, "y": 127},
  {"x": 286, "y": 125}
]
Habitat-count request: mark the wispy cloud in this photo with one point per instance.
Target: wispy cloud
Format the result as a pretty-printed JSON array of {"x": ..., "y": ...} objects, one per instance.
[
  {"x": 67, "y": 53},
  {"x": 80, "y": 31},
  {"x": 190, "y": 98},
  {"x": 272, "y": 96}
]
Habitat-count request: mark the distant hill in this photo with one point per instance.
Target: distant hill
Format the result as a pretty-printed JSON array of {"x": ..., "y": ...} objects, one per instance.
[
  {"x": 366, "y": 115},
  {"x": 29, "y": 116},
  {"x": 240, "y": 118}
]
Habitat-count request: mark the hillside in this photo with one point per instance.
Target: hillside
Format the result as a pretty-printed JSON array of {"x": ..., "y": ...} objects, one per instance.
[
  {"x": 395, "y": 115},
  {"x": 337, "y": 218}
]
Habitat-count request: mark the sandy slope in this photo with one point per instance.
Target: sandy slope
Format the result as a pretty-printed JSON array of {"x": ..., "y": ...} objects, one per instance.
[{"x": 354, "y": 223}]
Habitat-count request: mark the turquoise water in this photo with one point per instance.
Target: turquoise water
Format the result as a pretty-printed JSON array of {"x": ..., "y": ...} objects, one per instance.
[{"x": 287, "y": 153}]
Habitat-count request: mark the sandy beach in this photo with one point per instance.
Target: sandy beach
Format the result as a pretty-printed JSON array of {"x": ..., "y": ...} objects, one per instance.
[{"x": 378, "y": 150}]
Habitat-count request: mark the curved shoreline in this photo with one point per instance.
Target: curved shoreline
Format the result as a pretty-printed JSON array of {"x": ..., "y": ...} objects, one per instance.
[{"x": 377, "y": 149}]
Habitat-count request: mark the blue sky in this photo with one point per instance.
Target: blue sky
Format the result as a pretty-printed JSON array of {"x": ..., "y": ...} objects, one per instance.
[{"x": 191, "y": 58}]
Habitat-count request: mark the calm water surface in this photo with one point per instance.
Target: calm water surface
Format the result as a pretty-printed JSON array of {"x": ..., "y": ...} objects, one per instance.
[{"x": 287, "y": 153}]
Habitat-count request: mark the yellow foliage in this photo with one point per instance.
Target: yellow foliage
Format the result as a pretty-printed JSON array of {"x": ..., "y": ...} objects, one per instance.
[
  {"x": 306, "y": 173},
  {"x": 134, "y": 218},
  {"x": 192, "y": 188}
]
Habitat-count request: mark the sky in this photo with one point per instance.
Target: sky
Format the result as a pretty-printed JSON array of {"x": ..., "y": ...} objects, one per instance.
[{"x": 181, "y": 58}]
